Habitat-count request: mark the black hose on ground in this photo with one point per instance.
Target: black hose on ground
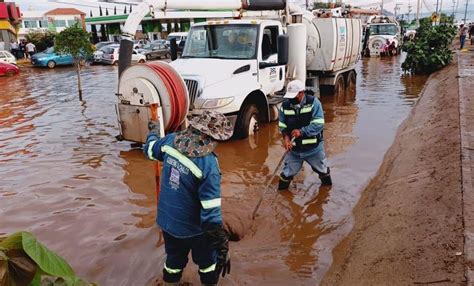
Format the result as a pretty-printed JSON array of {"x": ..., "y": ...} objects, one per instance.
[{"x": 125, "y": 55}]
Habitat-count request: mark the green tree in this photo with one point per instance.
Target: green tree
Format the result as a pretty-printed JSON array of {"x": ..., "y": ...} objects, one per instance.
[
  {"x": 75, "y": 41},
  {"x": 430, "y": 50},
  {"x": 42, "y": 40}
]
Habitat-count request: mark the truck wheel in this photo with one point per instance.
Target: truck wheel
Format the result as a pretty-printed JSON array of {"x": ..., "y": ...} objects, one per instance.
[
  {"x": 51, "y": 64},
  {"x": 247, "y": 122},
  {"x": 339, "y": 86},
  {"x": 351, "y": 85}
]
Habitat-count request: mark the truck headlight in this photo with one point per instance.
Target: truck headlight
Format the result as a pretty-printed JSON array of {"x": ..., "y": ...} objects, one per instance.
[{"x": 217, "y": 102}]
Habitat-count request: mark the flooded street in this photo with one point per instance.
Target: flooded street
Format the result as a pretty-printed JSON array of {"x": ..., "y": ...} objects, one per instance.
[{"x": 65, "y": 178}]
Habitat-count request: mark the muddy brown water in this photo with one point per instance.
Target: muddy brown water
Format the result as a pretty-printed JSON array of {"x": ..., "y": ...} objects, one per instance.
[{"x": 64, "y": 177}]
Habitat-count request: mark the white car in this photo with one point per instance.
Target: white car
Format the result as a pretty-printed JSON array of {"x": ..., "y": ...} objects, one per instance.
[
  {"x": 7, "y": 57},
  {"x": 111, "y": 55}
]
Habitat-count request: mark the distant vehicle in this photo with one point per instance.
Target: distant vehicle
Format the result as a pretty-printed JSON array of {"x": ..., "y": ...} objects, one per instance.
[
  {"x": 383, "y": 28},
  {"x": 7, "y": 69},
  {"x": 152, "y": 51},
  {"x": 7, "y": 57},
  {"x": 100, "y": 45},
  {"x": 111, "y": 55},
  {"x": 138, "y": 44},
  {"x": 50, "y": 59},
  {"x": 97, "y": 55},
  {"x": 159, "y": 42},
  {"x": 180, "y": 36}
]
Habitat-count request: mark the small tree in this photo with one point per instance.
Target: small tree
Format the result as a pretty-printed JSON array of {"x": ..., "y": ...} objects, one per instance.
[
  {"x": 42, "y": 40},
  {"x": 430, "y": 50},
  {"x": 75, "y": 42}
]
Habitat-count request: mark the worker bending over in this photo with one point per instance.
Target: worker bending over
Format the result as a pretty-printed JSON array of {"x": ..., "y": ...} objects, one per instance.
[
  {"x": 189, "y": 208},
  {"x": 301, "y": 122}
]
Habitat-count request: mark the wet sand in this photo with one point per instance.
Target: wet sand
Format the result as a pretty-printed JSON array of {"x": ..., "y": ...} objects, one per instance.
[{"x": 409, "y": 227}]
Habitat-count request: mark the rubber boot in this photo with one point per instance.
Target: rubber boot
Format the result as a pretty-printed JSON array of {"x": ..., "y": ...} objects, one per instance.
[
  {"x": 284, "y": 183},
  {"x": 326, "y": 178},
  {"x": 326, "y": 181}
]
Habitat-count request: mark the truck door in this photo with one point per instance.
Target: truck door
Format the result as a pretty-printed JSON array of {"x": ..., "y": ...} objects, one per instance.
[{"x": 272, "y": 79}]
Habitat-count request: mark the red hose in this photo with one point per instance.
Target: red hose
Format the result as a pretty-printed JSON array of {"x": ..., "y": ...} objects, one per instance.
[{"x": 177, "y": 92}]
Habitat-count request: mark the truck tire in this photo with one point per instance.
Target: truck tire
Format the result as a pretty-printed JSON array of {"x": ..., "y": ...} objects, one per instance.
[
  {"x": 339, "y": 86},
  {"x": 247, "y": 122},
  {"x": 351, "y": 80}
]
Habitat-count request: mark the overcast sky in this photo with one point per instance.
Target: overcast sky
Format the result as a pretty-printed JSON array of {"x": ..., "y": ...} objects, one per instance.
[{"x": 87, "y": 5}]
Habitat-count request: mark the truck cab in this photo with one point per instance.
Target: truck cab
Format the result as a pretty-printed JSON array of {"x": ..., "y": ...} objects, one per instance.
[{"x": 226, "y": 66}]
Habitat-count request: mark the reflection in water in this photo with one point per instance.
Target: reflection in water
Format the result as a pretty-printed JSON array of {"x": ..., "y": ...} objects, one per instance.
[{"x": 92, "y": 199}]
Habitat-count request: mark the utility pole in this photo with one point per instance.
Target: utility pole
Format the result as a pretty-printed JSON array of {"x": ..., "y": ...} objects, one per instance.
[
  {"x": 454, "y": 7},
  {"x": 465, "y": 12},
  {"x": 381, "y": 8},
  {"x": 437, "y": 6},
  {"x": 409, "y": 12},
  {"x": 418, "y": 7}
]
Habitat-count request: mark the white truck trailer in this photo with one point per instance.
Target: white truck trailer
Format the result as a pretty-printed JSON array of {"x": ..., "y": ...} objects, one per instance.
[{"x": 239, "y": 67}]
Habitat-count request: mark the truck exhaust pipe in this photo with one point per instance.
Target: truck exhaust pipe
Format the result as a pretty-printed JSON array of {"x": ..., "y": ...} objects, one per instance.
[
  {"x": 261, "y": 5},
  {"x": 125, "y": 55}
]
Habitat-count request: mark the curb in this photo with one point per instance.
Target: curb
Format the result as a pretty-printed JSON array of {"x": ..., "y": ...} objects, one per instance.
[{"x": 466, "y": 120}]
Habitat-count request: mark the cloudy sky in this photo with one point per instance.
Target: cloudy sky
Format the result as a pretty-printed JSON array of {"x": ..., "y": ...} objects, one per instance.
[{"x": 87, "y": 5}]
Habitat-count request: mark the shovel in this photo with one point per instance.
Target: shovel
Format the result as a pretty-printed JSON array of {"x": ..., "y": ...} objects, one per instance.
[{"x": 269, "y": 182}]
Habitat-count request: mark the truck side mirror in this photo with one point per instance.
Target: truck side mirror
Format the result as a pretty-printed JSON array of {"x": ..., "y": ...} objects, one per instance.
[
  {"x": 174, "y": 49},
  {"x": 283, "y": 44}
]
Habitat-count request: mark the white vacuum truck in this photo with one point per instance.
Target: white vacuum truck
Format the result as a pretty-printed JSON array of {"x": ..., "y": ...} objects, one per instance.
[{"x": 238, "y": 67}]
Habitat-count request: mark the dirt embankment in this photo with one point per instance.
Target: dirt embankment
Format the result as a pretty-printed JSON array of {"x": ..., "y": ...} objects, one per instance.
[{"x": 409, "y": 227}]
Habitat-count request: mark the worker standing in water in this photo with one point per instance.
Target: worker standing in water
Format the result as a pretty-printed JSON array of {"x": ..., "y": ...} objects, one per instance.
[
  {"x": 189, "y": 208},
  {"x": 301, "y": 122}
]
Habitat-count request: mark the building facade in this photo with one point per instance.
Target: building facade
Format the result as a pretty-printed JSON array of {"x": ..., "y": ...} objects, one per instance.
[
  {"x": 10, "y": 19},
  {"x": 55, "y": 20}
]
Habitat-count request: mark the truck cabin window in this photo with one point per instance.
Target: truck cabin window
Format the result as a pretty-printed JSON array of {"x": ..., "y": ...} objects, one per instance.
[
  {"x": 222, "y": 42},
  {"x": 269, "y": 42},
  {"x": 390, "y": 30}
]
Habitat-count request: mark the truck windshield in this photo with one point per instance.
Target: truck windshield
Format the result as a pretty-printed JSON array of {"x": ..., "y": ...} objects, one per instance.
[
  {"x": 390, "y": 29},
  {"x": 222, "y": 41}
]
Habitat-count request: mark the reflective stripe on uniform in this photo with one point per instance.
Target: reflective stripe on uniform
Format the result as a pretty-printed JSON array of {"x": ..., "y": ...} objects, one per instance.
[
  {"x": 318, "y": 121},
  {"x": 284, "y": 179},
  {"x": 209, "y": 204},
  {"x": 309, "y": 141},
  {"x": 150, "y": 151},
  {"x": 171, "y": 270},
  {"x": 282, "y": 125},
  {"x": 183, "y": 160},
  {"x": 208, "y": 269},
  {"x": 289, "y": 112},
  {"x": 306, "y": 109}
]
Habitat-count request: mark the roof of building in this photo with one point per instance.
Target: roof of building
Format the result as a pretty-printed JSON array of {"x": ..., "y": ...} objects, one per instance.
[{"x": 65, "y": 11}]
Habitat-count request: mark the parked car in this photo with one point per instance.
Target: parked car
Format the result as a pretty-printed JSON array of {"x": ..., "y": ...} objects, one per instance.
[
  {"x": 7, "y": 69},
  {"x": 152, "y": 51},
  {"x": 180, "y": 36},
  {"x": 138, "y": 44},
  {"x": 111, "y": 55},
  {"x": 50, "y": 59},
  {"x": 159, "y": 42},
  {"x": 7, "y": 57},
  {"x": 100, "y": 45}
]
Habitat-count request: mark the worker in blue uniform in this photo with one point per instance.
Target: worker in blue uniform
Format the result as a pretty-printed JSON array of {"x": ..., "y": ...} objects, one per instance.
[
  {"x": 189, "y": 208},
  {"x": 301, "y": 122}
]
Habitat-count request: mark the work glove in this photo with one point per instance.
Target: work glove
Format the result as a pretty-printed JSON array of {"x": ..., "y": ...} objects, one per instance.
[
  {"x": 219, "y": 239},
  {"x": 154, "y": 127},
  {"x": 288, "y": 144},
  {"x": 296, "y": 133}
]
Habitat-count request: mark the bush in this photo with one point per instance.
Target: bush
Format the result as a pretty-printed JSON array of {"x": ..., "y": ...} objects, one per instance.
[
  {"x": 42, "y": 40},
  {"x": 430, "y": 51}
]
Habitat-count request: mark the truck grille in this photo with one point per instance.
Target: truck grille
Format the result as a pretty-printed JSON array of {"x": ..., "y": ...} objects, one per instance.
[{"x": 193, "y": 87}]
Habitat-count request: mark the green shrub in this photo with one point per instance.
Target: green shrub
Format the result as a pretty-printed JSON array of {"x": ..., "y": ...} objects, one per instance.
[
  {"x": 430, "y": 51},
  {"x": 42, "y": 40}
]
